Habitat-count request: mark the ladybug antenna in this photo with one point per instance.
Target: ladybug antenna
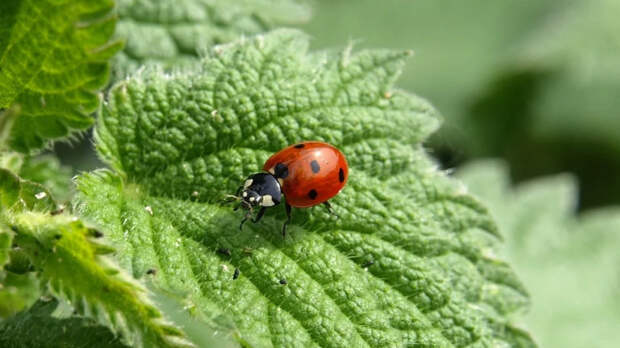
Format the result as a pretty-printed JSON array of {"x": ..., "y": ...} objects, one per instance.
[{"x": 230, "y": 199}]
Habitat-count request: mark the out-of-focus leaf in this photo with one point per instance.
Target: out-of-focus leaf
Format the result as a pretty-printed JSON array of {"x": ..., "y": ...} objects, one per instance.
[
  {"x": 554, "y": 105},
  {"x": 17, "y": 291},
  {"x": 570, "y": 263},
  {"x": 38, "y": 327},
  {"x": 459, "y": 45},
  {"x": 45, "y": 170},
  {"x": 173, "y": 33},
  {"x": 53, "y": 59}
]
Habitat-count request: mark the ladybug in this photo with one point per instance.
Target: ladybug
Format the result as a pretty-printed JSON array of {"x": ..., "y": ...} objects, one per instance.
[{"x": 306, "y": 174}]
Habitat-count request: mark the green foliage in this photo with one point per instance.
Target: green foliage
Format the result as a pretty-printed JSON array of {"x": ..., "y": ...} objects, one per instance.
[
  {"x": 6, "y": 237},
  {"x": 45, "y": 170},
  {"x": 53, "y": 58},
  {"x": 570, "y": 263},
  {"x": 179, "y": 142},
  {"x": 173, "y": 33},
  {"x": 40, "y": 326},
  {"x": 62, "y": 251},
  {"x": 17, "y": 292},
  {"x": 555, "y": 96},
  {"x": 60, "y": 248}
]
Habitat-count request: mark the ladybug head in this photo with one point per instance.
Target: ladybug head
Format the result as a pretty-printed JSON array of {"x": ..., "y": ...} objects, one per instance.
[{"x": 261, "y": 189}]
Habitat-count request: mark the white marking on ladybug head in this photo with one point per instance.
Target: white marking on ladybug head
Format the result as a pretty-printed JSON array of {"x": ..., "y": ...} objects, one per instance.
[
  {"x": 267, "y": 201},
  {"x": 272, "y": 170},
  {"x": 247, "y": 183},
  {"x": 252, "y": 199}
]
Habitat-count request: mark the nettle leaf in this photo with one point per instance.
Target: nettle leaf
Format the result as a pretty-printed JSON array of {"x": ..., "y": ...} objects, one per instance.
[
  {"x": 408, "y": 262},
  {"x": 53, "y": 59},
  {"x": 63, "y": 252},
  {"x": 172, "y": 33},
  {"x": 569, "y": 262},
  {"x": 43, "y": 169},
  {"x": 17, "y": 195},
  {"x": 39, "y": 327},
  {"x": 61, "y": 249},
  {"x": 17, "y": 292}
]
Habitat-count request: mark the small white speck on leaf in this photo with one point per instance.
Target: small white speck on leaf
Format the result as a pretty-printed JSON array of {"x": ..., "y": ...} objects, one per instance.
[
  {"x": 195, "y": 194},
  {"x": 40, "y": 195},
  {"x": 224, "y": 268},
  {"x": 214, "y": 113},
  {"x": 149, "y": 209},
  {"x": 461, "y": 189}
]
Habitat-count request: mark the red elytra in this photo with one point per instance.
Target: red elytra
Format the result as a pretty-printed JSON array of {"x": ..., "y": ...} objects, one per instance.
[{"x": 317, "y": 171}]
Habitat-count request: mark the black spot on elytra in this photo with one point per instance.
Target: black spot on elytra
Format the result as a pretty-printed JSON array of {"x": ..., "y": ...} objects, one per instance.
[
  {"x": 281, "y": 171},
  {"x": 312, "y": 194},
  {"x": 341, "y": 175},
  {"x": 315, "y": 166},
  {"x": 299, "y": 146}
]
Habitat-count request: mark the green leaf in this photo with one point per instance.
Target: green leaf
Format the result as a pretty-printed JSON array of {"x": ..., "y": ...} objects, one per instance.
[
  {"x": 173, "y": 33},
  {"x": 409, "y": 261},
  {"x": 569, "y": 262},
  {"x": 17, "y": 292},
  {"x": 39, "y": 327},
  {"x": 53, "y": 59},
  {"x": 61, "y": 248},
  {"x": 6, "y": 237},
  {"x": 45, "y": 170},
  {"x": 18, "y": 195}
]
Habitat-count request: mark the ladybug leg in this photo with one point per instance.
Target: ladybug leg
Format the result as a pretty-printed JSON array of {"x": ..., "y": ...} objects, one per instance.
[
  {"x": 248, "y": 214},
  {"x": 260, "y": 214},
  {"x": 329, "y": 209},
  {"x": 288, "y": 219}
]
